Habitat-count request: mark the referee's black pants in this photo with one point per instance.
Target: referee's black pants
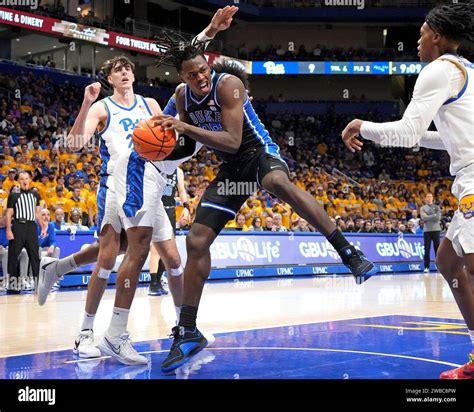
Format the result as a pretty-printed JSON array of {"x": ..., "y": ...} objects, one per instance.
[
  {"x": 25, "y": 235},
  {"x": 428, "y": 238}
]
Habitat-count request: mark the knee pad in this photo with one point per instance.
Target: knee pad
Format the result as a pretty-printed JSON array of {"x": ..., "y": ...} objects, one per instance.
[
  {"x": 177, "y": 272},
  {"x": 104, "y": 273}
]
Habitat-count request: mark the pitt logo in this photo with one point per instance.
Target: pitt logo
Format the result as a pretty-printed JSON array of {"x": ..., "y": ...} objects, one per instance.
[
  {"x": 466, "y": 206},
  {"x": 129, "y": 124}
]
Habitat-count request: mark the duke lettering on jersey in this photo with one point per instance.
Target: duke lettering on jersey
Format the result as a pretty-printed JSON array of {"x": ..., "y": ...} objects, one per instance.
[
  {"x": 206, "y": 114},
  {"x": 207, "y": 119}
]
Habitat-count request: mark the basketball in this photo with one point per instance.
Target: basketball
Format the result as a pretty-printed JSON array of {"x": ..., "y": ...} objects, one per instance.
[{"x": 152, "y": 142}]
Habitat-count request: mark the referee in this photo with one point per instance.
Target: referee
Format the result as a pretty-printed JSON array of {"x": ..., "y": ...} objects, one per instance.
[{"x": 23, "y": 208}]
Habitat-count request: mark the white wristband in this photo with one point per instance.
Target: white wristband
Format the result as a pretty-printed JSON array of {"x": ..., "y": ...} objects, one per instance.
[{"x": 202, "y": 37}]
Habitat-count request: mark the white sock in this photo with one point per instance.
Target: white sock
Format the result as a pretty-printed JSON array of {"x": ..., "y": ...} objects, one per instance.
[
  {"x": 471, "y": 334},
  {"x": 178, "y": 312},
  {"x": 66, "y": 265},
  {"x": 88, "y": 321},
  {"x": 118, "y": 324}
]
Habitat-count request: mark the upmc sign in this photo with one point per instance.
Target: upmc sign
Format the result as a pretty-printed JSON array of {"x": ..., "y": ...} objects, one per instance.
[{"x": 63, "y": 28}]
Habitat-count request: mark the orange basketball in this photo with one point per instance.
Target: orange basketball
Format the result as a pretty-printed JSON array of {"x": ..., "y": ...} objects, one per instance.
[{"x": 152, "y": 142}]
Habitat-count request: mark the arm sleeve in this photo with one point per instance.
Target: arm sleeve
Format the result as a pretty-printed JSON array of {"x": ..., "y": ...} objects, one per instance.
[
  {"x": 432, "y": 140},
  {"x": 432, "y": 89},
  {"x": 202, "y": 37}
]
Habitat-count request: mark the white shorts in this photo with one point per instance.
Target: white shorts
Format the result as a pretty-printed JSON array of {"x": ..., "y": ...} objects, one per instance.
[
  {"x": 461, "y": 232},
  {"x": 461, "y": 228},
  {"x": 139, "y": 187},
  {"x": 107, "y": 207}
]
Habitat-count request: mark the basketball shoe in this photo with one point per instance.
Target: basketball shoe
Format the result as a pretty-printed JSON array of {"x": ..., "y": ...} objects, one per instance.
[
  {"x": 463, "y": 372},
  {"x": 121, "y": 349},
  {"x": 361, "y": 268},
  {"x": 48, "y": 276},
  {"x": 84, "y": 345},
  {"x": 187, "y": 342}
]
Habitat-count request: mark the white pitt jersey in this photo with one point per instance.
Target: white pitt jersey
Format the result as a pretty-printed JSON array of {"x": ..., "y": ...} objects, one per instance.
[
  {"x": 116, "y": 136},
  {"x": 455, "y": 118}
]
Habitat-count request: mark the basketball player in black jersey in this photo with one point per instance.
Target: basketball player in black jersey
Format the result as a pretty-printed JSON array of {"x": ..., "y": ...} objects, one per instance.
[{"x": 214, "y": 110}]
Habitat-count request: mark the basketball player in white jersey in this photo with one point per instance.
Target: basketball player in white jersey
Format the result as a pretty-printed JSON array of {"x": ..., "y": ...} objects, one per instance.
[
  {"x": 444, "y": 93},
  {"x": 112, "y": 117}
]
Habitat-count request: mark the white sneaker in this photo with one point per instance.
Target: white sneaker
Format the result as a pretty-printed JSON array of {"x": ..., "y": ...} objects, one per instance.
[
  {"x": 47, "y": 278},
  {"x": 121, "y": 349},
  {"x": 84, "y": 345}
]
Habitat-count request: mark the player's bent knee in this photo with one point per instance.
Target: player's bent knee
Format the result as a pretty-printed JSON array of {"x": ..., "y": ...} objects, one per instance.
[
  {"x": 106, "y": 263},
  {"x": 172, "y": 261},
  {"x": 194, "y": 245},
  {"x": 104, "y": 273}
]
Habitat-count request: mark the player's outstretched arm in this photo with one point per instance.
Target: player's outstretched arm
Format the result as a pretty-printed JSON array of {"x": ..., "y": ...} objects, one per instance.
[
  {"x": 221, "y": 20},
  {"x": 432, "y": 140},
  {"x": 432, "y": 89},
  {"x": 88, "y": 119}
]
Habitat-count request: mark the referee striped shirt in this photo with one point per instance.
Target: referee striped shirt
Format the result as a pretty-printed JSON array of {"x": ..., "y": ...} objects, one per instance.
[{"x": 24, "y": 205}]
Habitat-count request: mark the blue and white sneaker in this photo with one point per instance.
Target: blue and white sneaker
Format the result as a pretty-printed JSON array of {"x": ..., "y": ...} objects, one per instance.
[
  {"x": 187, "y": 343},
  {"x": 361, "y": 268}
]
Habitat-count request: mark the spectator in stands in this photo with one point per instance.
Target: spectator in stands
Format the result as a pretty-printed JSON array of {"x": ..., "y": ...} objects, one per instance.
[
  {"x": 48, "y": 245},
  {"x": 350, "y": 226},
  {"x": 75, "y": 223},
  {"x": 256, "y": 225},
  {"x": 77, "y": 203},
  {"x": 240, "y": 223},
  {"x": 59, "y": 223},
  {"x": 277, "y": 223},
  {"x": 10, "y": 181},
  {"x": 415, "y": 219},
  {"x": 389, "y": 228},
  {"x": 268, "y": 227},
  {"x": 368, "y": 227},
  {"x": 378, "y": 226},
  {"x": 410, "y": 228}
]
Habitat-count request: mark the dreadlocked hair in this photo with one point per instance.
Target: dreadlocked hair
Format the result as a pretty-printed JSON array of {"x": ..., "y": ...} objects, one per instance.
[
  {"x": 177, "y": 49},
  {"x": 232, "y": 67},
  {"x": 454, "y": 21}
]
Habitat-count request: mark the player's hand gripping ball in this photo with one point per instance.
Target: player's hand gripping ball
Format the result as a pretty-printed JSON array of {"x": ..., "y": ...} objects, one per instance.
[{"x": 151, "y": 141}]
